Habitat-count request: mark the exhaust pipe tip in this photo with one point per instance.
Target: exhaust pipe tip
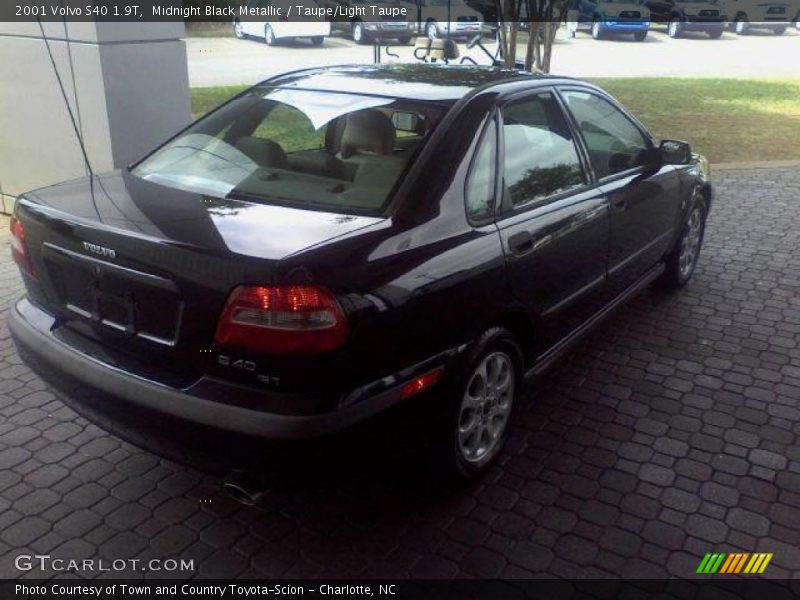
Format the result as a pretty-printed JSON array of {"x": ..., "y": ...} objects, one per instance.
[{"x": 245, "y": 489}]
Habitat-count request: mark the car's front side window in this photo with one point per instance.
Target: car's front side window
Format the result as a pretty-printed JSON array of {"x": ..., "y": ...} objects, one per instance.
[
  {"x": 614, "y": 143},
  {"x": 540, "y": 155}
]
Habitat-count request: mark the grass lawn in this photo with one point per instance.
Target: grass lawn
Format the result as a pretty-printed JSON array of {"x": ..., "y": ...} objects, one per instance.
[{"x": 728, "y": 120}]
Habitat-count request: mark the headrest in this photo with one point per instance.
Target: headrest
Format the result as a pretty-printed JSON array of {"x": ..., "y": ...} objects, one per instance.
[
  {"x": 264, "y": 152},
  {"x": 370, "y": 130}
]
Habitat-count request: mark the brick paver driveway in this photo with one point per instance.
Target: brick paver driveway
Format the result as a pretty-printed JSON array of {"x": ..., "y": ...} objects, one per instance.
[{"x": 670, "y": 433}]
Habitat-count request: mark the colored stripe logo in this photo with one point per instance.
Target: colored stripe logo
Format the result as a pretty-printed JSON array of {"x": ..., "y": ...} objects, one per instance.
[{"x": 734, "y": 563}]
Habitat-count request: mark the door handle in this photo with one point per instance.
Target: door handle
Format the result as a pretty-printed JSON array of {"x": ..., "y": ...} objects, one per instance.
[{"x": 520, "y": 243}]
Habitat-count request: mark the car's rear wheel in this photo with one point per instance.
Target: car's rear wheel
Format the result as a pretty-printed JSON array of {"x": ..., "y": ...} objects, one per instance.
[
  {"x": 640, "y": 36},
  {"x": 405, "y": 39},
  {"x": 481, "y": 404},
  {"x": 597, "y": 30},
  {"x": 779, "y": 30},
  {"x": 431, "y": 30},
  {"x": 238, "y": 30},
  {"x": 675, "y": 27},
  {"x": 359, "y": 33},
  {"x": 317, "y": 40},
  {"x": 715, "y": 34},
  {"x": 741, "y": 25},
  {"x": 269, "y": 36},
  {"x": 681, "y": 262}
]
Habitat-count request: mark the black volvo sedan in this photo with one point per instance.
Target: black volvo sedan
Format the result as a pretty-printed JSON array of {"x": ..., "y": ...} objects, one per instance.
[{"x": 336, "y": 241}]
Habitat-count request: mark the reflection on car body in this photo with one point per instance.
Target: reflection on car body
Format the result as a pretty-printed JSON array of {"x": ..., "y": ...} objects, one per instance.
[{"x": 336, "y": 242}]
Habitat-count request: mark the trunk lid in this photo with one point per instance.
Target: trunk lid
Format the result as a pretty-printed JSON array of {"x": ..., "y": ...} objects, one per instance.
[{"x": 145, "y": 269}]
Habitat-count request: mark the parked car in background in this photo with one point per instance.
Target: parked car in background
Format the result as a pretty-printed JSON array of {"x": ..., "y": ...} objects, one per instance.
[
  {"x": 688, "y": 15},
  {"x": 746, "y": 15},
  {"x": 614, "y": 16},
  {"x": 273, "y": 32},
  {"x": 366, "y": 31},
  {"x": 339, "y": 241},
  {"x": 448, "y": 18}
]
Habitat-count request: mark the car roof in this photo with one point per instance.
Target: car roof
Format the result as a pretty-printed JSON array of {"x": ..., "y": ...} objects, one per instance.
[{"x": 415, "y": 81}]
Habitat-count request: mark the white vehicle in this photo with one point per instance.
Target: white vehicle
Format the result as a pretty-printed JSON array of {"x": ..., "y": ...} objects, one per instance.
[
  {"x": 464, "y": 22},
  {"x": 282, "y": 30}
]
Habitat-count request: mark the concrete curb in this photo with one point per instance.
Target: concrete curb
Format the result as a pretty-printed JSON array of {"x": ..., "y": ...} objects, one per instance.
[{"x": 743, "y": 166}]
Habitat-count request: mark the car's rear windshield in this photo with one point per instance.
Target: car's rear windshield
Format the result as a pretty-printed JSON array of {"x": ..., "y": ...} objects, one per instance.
[{"x": 328, "y": 150}]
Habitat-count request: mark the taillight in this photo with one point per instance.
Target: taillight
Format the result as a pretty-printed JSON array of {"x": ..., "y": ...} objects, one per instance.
[
  {"x": 282, "y": 320},
  {"x": 19, "y": 247}
]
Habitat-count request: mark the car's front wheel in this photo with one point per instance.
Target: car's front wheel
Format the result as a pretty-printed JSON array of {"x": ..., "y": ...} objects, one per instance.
[
  {"x": 597, "y": 30},
  {"x": 238, "y": 30},
  {"x": 780, "y": 30},
  {"x": 715, "y": 34},
  {"x": 681, "y": 262},
  {"x": 481, "y": 403},
  {"x": 675, "y": 27},
  {"x": 317, "y": 40},
  {"x": 640, "y": 36},
  {"x": 741, "y": 25},
  {"x": 405, "y": 39}
]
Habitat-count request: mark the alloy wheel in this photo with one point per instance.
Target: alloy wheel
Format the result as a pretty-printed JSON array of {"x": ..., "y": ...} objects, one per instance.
[
  {"x": 238, "y": 30},
  {"x": 690, "y": 243},
  {"x": 486, "y": 407},
  {"x": 431, "y": 31}
]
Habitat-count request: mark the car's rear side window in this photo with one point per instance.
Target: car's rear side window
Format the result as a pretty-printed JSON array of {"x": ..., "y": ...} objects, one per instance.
[
  {"x": 481, "y": 180},
  {"x": 614, "y": 143},
  {"x": 541, "y": 159}
]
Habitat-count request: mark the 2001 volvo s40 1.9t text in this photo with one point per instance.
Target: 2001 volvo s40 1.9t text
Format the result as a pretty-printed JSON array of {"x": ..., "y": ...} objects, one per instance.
[{"x": 334, "y": 242}]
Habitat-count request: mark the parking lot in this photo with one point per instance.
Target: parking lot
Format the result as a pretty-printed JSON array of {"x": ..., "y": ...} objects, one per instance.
[
  {"x": 670, "y": 433},
  {"x": 228, "y": 61}
]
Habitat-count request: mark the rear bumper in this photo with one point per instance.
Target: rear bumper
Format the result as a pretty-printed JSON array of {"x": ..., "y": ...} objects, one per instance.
[
  {"x": 703, "y": 24},
  {"x": 31, "y": 329},
  {"x": 626, "y": 26}
]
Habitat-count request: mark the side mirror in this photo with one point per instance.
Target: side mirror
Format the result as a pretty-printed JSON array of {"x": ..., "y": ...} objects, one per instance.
[{"x": 675, "y": 152}]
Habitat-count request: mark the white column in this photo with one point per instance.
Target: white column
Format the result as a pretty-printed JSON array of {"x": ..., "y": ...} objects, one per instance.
[{"x": 127, "y": 85}]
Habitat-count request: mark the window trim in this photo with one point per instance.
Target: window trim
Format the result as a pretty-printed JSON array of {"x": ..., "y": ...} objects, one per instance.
[
  {"x": 492, "y": 118},
  {"x": 505, "y": 209},
  {"x": 623, "y": 111}
]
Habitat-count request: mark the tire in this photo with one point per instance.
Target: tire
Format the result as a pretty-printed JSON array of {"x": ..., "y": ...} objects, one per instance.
[
  {"x": 779, "y": 30},
  {"x": 675, "y": 28},
  {"x": 640, "y": 36},
  {"x": 360, "y": 35},
  {"x": 597, "y": 30},
  {"x": 238, "y": 30},
  {"x": 269, "y": 36},
  {"x": 741, "y": 25},
  {"x": 431, "y": 30},
  {"x": 405, "y": 39},
  {"x": 715, "y": 34},
  {"x": 682, "y": 260},
  {"x": 317, "y": 40},
  {"x": 477, "y": 416}
]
